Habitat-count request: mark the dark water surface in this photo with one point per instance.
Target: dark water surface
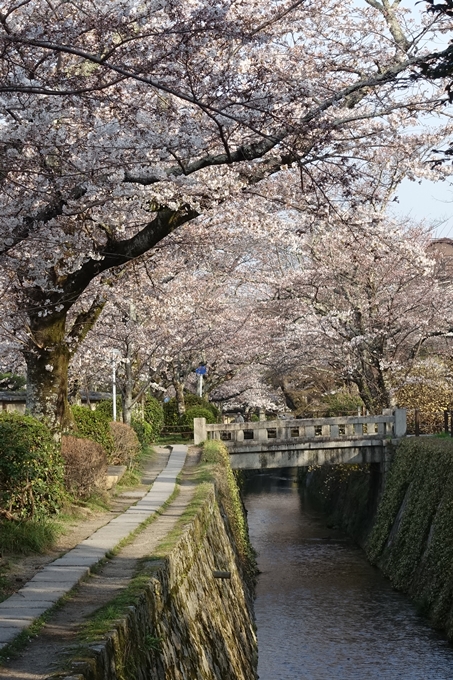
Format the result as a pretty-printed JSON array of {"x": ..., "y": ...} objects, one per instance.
[{"x": 322, "y": 611}]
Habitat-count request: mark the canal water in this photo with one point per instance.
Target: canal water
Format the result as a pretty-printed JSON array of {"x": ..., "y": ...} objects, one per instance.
[{"x": 323, "y": 612}]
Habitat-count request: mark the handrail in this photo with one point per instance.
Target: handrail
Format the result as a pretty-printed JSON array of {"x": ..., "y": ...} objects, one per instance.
[
  {"x": 341, "y": 427},
  {"x": 299, "y": 422}
]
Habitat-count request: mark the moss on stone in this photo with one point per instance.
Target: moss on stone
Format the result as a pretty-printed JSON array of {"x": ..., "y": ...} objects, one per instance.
[{"x": 411, "y": 540}]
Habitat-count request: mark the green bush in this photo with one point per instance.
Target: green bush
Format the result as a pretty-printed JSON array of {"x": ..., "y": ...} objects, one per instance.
[
  {"x": 197, "y": 412},
  {"x": 95, "y": 426},
  {"x": 191, "y": 400},
  {"x": 105, "y": 408},
  {"x": 31, "y": 468},
  {"x": 340, "y": 402},
  {"x": 143, "y": 430},
  {"x": 154, "y": 415}
]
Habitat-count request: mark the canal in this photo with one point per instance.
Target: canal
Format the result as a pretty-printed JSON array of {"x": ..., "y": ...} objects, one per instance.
[{"x": 323, "y": 612}]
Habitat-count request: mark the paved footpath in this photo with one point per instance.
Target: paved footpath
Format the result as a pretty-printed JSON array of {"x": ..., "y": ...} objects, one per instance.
[{"x": 59, "y": 577}]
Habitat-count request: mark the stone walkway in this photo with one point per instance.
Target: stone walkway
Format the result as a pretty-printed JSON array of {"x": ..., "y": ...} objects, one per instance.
[{"x": 57, "y": 578}]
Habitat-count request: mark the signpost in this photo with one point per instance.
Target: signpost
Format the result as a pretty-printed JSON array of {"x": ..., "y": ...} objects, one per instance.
[{"x": 201, "y": 370}]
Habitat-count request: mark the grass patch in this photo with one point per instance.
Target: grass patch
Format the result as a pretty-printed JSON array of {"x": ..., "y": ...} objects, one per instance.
[
  {"x": 169, "y": 542},
  {"x": 133, "y": 476},
  {"x": 130, "y": 478},
  {"x": 97, "y": 502},
  {"x": 29, "y": 536},
  {"x": 104, "y": 618},
  {"x": 164, "y": 439},
  {"x": 18, "y": 539}
]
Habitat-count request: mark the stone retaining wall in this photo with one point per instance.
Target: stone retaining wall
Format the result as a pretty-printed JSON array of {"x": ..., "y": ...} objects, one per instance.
[
  {"x": 408, "y": 532},
  {"x": 189, "y": 624}
]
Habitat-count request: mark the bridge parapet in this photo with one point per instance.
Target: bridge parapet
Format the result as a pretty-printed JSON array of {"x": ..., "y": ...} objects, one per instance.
[{"x": 344, "y": 428}]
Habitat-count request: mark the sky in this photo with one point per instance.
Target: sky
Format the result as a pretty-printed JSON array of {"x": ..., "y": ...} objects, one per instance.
[{"x": 428, "y": 201}]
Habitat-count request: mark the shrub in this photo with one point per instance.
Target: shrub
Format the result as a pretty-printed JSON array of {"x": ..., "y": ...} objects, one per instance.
[
  {"x": 105, "y": 408},
  {"x": 197, "y": 412},
  {"x": 154, "y": 415},
  {"x": 339, "y": 403},
  {"x": 93, "y": 425},
  {"x": 143, "y": 430},
  {"x": 31, "y": 468},
  {"x": 85, "y": 463},
  {"x": 191, "y": 400},
  {"x": 127, "y": 445}
]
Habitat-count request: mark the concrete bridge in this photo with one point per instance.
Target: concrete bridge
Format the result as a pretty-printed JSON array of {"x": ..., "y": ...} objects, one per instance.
[{"x": 308, "y": 441}]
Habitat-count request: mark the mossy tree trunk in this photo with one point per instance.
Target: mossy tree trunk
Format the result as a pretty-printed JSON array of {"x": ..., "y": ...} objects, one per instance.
[
  {"x": 180, "y": 401},
  {"x": 50, "y": 343},
  {"x": 47, "y": 359},
  {"x": 371, "y": 384}
]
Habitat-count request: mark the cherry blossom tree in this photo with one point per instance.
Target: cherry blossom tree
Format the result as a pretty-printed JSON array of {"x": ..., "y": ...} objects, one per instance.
[
  {"x": 169, "y": 313},
  {"x": 366, "y": 302},
  {"x": 122, "y": 122}
]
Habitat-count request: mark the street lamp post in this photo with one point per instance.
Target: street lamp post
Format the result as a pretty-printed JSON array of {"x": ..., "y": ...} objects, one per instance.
[{"x": 115, "y": 354}]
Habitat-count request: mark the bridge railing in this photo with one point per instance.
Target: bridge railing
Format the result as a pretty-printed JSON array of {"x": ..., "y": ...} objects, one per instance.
[{"x": 389, "y": 424}]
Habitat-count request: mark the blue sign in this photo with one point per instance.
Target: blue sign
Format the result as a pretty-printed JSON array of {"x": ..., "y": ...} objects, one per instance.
[{"x": 201, "y": 370}]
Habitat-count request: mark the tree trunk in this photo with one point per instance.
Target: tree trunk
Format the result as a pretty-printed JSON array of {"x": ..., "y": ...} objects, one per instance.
[
  {"x": 372, "y": 388},
  {"x": 180, "y": 401},
  {"x": 47, "y": 359}
]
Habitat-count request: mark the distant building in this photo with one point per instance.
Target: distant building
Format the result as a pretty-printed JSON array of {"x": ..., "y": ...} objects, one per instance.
[
  {"x": 15, "y": 401},
  {"x": 442, "y": 249}
]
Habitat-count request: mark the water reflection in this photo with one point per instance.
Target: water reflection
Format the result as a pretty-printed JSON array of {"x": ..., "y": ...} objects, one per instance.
[{"x": 322, "y": 611}]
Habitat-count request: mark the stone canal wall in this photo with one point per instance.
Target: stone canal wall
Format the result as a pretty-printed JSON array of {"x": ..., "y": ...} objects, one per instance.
[
  {"x": 194, "y": 618},
  {"x": 408, "y": 533}
]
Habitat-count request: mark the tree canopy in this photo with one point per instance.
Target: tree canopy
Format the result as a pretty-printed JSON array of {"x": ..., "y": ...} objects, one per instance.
[{"x": 124, "y": 121}]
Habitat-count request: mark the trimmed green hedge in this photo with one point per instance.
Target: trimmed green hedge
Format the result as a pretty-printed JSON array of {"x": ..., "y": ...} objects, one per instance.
[
  {"x": 31, "y": 468},
  {"x": 191, "y": 400},
  {"x": 105, "y": 408},
  {"x": 154, "y": 415},
  {"x": 143, "y": 430},
  {"x": 197, "y": 412},
  {"x": 93, "y": 425}
]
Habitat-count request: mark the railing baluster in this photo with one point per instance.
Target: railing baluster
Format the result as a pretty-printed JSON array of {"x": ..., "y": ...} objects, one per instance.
[{"x": 358, "y": 428}]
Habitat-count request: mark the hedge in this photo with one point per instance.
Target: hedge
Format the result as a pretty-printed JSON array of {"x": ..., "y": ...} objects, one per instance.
[
  {"x": 31, "y": 468},
  {"x": 95, "y": 426},
  {"x": 191, "y": 400}
]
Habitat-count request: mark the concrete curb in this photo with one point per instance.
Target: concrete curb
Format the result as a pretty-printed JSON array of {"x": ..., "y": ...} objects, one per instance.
[{"x": 56, "y": 579}]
